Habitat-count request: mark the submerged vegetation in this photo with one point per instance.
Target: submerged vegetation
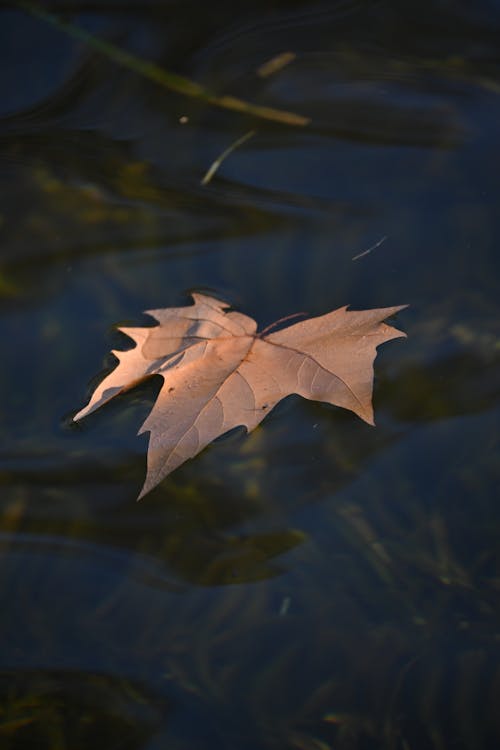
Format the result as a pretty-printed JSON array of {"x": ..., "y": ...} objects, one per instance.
[{"x": 165, "y": 78}]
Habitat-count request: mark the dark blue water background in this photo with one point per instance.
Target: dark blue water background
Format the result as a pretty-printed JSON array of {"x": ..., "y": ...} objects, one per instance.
[{"x": 319, "y": 584}]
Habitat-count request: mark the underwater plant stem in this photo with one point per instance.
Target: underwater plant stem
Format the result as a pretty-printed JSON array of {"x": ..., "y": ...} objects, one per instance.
[{"x": 165, "y": 78}]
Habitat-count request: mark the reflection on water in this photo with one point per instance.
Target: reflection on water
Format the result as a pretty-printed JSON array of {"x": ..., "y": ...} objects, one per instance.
[{"x": 317, "y": 584}]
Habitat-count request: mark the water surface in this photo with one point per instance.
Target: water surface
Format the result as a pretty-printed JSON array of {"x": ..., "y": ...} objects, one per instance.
[{"x": 319, "y": 584}]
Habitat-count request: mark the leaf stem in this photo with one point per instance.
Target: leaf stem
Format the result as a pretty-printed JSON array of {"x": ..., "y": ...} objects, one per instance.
[{"x": 278, "y": 322}]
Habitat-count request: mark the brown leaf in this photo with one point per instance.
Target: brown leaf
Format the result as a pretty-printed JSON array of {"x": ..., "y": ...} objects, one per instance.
[{"x": 219, "y": 373}]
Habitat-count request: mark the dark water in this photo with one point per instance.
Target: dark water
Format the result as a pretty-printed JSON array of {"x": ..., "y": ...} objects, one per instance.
[{"x": 320, "y": 584}]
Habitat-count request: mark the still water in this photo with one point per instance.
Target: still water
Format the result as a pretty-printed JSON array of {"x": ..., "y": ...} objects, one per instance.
[{"x": 319, "y": 584}]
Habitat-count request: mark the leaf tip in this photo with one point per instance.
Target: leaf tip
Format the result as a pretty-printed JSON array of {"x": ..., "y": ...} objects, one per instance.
[
  {"x": 80, "y": 414},
  {"x": 369, "y": 417},
  {"x": 146, "y": 487}
]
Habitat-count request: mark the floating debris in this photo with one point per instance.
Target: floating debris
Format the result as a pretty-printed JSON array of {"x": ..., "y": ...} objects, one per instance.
[
  {"x": 216, "y": 164},
  {"x": 373, "y": 247},
  {"x": 275, "y": 64}
]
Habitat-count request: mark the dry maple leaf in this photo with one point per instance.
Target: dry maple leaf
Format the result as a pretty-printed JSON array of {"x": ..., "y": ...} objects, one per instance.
[{"x": 219, "y": 373}]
